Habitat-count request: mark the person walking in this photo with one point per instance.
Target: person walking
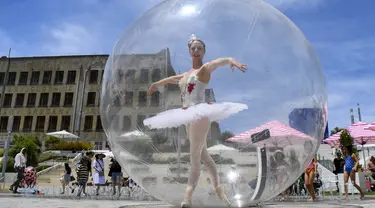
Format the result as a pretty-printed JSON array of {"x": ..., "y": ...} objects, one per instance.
[
  {"x": 115, "y": 173},
  {"x": 66, "y": 178},
  {"x": 83, "y": 175},
  {"x": 19, "y": 167},
  {"x": 338, "y": 166},
  {"x": 98, "y": 176},
  {"x": 351, "y": 165}
]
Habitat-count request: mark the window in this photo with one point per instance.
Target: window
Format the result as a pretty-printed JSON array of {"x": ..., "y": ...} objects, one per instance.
[
  {"x": 11, "y": 78},
  {"x": 16, "y": 123},
  {"x": 142, "y": 98},
  {"x": 4, "y": 123},
  {"x": 20, "y": 99},
  {"x": 40, "y": 121},
  {"x": 8, "y": 100},
  {"x": 23, "y": 78},
  {"x": 91, "y": 99},
  {"x": 144, "y": 76},
  {"x": 2, "y": 76},
  {"x": 156, "y": 75},
  {"x": 35, "y": 78},
  {"x": 129, "y": 98},
  {"x": 127, "y": 123},
  {"x": 140, "y": 119},
  {"x": 43, "y": 102},
  {"x": 88, "y": 123},
  {"x": 65, "y": 122},
  {"x": 27, "y": 123},
  {"x": 130, "y": 75},
  {"x": 56, "y": 99},
  {"x": 68, "y": 102},
  {"x": 52, "y": 124},
  {"x": 59, "y": 78},
  {"x": 155, "y": 97},
  {"x": 47, "y": 76},
  {"x": 31, "y": 100},
  {"x": 93, "y": 77},
  {"x": 99, "y": 126},
  {"x": 71, "y": 77}
]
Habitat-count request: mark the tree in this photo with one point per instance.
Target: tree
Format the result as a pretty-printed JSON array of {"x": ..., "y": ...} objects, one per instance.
[
  {"x": 32, "y": 149},
  {"x": 336, "y": 130},
  {"x": 225, "y": 135},
  {"x": 347, "y": 140}
]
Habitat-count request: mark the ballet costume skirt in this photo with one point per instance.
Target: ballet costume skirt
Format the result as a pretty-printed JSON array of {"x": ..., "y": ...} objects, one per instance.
[{"x": 194, "y": 107}]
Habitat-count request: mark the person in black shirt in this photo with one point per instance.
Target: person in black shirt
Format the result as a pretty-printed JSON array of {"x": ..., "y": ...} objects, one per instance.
[
  {"x": 116, "y": 175},
  {"x": 338, "y": 166},
  {"x": 66, "y": 178}
]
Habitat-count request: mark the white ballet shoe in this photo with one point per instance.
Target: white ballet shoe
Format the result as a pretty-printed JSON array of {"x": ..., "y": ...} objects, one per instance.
[
  {"x": 220, "y": 192},
  {"x": 185, "y": 204}
]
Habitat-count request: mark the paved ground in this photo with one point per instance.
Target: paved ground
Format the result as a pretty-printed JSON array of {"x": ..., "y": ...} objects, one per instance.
[{"x": 7, "y": 201}]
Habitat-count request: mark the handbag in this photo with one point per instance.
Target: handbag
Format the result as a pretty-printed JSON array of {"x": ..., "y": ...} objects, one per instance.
[
  {"x": 72, "y": 178},
  {"x": 101, "y": 173}
]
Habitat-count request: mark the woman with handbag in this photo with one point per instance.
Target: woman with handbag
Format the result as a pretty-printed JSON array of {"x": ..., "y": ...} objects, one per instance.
[
  {"x": 66, "y": 178},
  {"x": 98, "y": 176}
]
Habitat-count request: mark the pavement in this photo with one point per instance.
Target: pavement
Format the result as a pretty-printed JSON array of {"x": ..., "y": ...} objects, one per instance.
[{"x": 19, "y": 201}]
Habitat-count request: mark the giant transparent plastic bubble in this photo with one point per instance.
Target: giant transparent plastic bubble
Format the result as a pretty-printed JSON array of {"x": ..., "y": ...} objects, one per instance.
[{"x": 261, "y": 142}]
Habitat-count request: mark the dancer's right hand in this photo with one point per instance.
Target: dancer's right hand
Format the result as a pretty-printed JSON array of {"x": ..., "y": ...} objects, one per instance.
[{"x": 152, "y": 89}]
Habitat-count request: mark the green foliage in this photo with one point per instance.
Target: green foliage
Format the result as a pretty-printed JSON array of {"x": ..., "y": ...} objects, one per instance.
[
  {"x": 345, "y": 138},
  {"x": 336, "y": 130},
  {"x": 54, "y": 143},
  {"x": 32, "y": 149},
  {"x": 2, "y": 151},
  {"x": 47, "y": 156},
  {"x": 10, "y": 165},
  {"x": 225, "y": 135},
  {"x": 142, "y": 148}
]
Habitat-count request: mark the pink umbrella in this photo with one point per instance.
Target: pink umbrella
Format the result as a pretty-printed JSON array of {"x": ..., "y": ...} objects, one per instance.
[
  {"x": 281, "y": 135},
  {"x": 370, "y": 127},
  {"x": 359, "y": 133}
]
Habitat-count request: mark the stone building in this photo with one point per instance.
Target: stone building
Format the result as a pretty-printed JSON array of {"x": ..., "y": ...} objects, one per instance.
[{"x": 44, "y": 94}]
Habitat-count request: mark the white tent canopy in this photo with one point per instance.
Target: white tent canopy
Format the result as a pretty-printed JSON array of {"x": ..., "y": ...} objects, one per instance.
[
  {"x": 63, "y": 135},
  {"x": 221, "y": 148}
]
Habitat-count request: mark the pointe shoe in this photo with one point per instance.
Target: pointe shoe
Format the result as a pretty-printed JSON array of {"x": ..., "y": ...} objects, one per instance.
[
  {"x": 185, "y": 204},
  {"x": 219, "y": 191}
]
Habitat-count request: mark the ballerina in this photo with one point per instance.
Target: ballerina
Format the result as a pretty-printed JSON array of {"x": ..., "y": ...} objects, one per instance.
[{"x": 196, "y": 114}]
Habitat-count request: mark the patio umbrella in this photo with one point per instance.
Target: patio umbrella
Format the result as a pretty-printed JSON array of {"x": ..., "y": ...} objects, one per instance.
[
  {"x": 281, "y": 135},
  {"x": 370, "y": 126},
  {"x": 359, "y": 133},
  {"x": 63, "y": 135}
]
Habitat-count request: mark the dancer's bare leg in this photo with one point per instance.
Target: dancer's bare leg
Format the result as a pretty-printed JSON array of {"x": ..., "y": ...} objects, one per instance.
[{"x": 197, "y": 132}]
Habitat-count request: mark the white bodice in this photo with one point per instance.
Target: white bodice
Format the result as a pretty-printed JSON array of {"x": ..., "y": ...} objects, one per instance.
[{"x": 193, "y": 92}]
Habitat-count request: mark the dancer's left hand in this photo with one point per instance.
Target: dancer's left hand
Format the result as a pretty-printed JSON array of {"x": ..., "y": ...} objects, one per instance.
[{"x": 235, "y": 63}]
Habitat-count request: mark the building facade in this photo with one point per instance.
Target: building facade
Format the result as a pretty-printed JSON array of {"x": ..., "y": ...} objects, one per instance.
[{"x": 45, "y": 94}]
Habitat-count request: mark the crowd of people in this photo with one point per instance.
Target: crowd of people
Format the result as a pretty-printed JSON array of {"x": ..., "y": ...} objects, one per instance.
[{"x": 87, "y": 168}]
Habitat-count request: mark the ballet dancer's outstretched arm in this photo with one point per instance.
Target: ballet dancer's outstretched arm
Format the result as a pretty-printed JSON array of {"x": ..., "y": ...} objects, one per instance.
[
  {"x": 168, "y": 80},
  {"x": 212, "y": 65}
]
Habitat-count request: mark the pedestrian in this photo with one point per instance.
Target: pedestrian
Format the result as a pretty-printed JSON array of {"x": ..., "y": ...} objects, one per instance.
[
  {"x": 83, "y": 175},
  {"x": 98, "y": 176},
  {"x": 351, "y": 165},
  {"x": 19, "y": 167},
  {"x": 66, "y": 178},
  {"x": 115, "y": 173}
]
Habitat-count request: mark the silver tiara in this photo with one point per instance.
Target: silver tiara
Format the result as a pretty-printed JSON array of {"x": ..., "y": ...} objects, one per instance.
[{"x": 193, "y": 37}]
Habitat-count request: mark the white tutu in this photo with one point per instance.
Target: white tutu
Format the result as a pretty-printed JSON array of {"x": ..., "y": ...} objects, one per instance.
[{"x": 177, "y": 117}]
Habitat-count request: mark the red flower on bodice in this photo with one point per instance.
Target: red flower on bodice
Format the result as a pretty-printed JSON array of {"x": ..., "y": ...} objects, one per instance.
[{"x": 190, "y": 87}]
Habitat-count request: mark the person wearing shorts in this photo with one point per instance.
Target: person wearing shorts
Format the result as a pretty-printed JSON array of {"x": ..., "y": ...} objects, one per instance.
[{"x": 116, "y": 175}]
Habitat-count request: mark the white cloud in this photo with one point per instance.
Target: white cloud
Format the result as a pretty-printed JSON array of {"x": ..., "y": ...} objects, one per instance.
[{"x": 69, "y": 39}]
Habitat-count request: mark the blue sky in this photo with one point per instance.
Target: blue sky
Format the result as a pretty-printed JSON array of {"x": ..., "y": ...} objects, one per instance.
[{"x": 341, "y": 31}]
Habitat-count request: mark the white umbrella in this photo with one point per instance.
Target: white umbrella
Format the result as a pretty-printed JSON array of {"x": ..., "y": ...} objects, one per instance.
[
  {"x": 135, "y": 135},
  {"x": 63, "y": 135},
  {"x": 220, "y": 148}
]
